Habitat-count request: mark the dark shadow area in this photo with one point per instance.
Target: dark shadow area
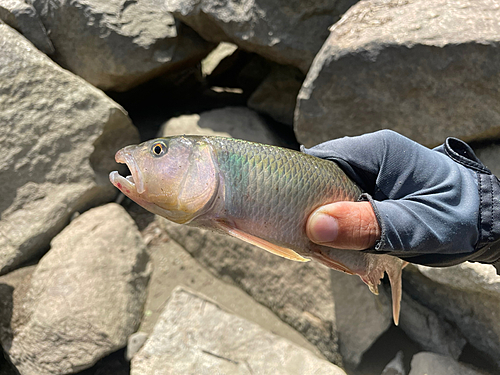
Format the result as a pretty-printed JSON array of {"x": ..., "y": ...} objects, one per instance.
[
  {"x": 113, "y": 364},
  {"x": 6, "y": 308},
  {"x": 6, "y": 367},
  {"x": 478, "y": 360},
  {"x": 384, "y": 350}
]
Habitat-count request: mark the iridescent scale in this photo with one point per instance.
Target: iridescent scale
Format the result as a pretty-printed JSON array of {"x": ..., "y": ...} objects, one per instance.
[{"x": 270, "y": 191}]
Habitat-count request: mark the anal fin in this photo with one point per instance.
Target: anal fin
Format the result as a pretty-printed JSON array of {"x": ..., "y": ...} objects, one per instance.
[{"x": 263, "y": 244}]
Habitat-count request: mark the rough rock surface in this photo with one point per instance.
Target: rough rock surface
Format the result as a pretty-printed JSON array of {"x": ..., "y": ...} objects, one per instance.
[
  {"x": 118, "y": 44},
  {"x": 425, "y": 69},
  {"x": 23, "y": 17},
  {"x": 86, "y": 295},
  {"x": 426, "y": 363},
  {"x": 361, "y": 316},
  {"x": 468, "y": 295},
  {"x": 58, "y": 139},
  {"x": 236, "y": 122},
  {"x": 194, "y": 335},
  {"x": 277, "y": 94},
  {"x": 173, "y": 266},
  {"x": 287, "y": 32},
  {"x": 299, "y": 293}
]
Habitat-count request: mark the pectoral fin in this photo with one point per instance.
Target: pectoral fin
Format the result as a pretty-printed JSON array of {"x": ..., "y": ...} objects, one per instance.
[{"x": 263, "y": 244}]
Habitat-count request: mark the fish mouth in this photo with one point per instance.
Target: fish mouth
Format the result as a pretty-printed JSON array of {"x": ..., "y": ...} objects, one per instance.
[{"x": 130, "y": 183}]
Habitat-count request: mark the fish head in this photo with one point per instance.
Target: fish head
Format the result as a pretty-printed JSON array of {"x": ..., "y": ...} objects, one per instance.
[{"x": 173, "y": 177}]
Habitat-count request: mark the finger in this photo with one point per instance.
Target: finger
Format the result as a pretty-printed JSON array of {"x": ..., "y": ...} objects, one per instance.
[{"x": 344, "y": 225}]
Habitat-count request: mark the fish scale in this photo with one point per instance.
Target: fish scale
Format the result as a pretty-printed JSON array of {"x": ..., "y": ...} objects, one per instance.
[{"x": 272, "y": 184}]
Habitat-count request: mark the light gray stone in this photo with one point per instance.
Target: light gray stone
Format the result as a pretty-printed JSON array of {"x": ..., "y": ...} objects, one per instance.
[
  {"x": 58, "y": 139},
  {"x": 213, "y": 59},
  {"x": 277, "y": 94},
  {"x": 361, "y": 317},
  {"x": 173, "y": 266},
  {"x": 425, "y": 69},
  {"x": 23, "y": 17},
  {"x": 135, "y": 343},
  {"x": 287, "y": 32},
  {"x": 434, "y": 364},
  {"x": 118, "y": 44},
  {"x": 86, "y": 295},
  {"x": 236, "y": 122},
  {"x": 298, "y": 293},
  {"x": 195, "y": 336},
  {"x": 467, "y": 296}
]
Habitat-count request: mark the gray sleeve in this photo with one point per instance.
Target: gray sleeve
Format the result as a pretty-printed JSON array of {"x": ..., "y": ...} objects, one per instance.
[{"x": 427, "y": 202}]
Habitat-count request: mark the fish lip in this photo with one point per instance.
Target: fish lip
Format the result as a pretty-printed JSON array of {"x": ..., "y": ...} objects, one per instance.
[{"x": 124, "y": 157}]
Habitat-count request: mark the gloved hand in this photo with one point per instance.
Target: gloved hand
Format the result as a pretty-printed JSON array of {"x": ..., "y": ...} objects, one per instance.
[{"x": 436, "y": 207}]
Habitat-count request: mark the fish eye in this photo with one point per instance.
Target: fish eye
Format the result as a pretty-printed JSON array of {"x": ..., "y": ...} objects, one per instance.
[{"x": 159, "y": 149}]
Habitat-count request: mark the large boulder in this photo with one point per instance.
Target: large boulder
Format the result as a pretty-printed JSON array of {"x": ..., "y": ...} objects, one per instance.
[
  {"x": 86, "y": 295},
  {"x": 24, "y": 18},
  {"x": 58, "y": 139},
  {"x": 425, "y": 69},
  {"x": 118, "y": 44},
  {"x": 467, "y": 295},
  {"x": 287, "y": 32},
  {"x": 195, "y": 336}
]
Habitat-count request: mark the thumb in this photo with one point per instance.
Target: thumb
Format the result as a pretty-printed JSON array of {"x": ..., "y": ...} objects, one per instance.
[{"x": 344, "y": 225}]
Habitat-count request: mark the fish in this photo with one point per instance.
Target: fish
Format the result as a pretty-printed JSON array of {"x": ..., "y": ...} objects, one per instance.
[{"x": 258, "y": 193}]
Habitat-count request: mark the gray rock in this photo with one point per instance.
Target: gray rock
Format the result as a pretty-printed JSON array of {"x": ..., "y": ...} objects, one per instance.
[
  {"x": 277, "y": 94},
  {"x": 86, "y": 295},
  {"x": 425, "y": 69},
  {"x": 289, "y": 33},
  {"x": 361, "y": 316},
  {"x": 434, "y": 364},
  {"x": 59, "y": 135},
  {"x": 237, "y": 122},
  {"x": 466, "y": 295},
  {"x": 396, "y": 366},
  {"x": 23, "y": 17},
  {"x": 173, "y": 266},
  {"x": 298, "y": 293},
  {"x": 195, "y": 336},
  {"x": 118, "y": 44}
]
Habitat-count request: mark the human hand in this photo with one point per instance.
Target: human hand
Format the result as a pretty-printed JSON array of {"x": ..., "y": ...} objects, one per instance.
[{"x": 433, "y": 207}]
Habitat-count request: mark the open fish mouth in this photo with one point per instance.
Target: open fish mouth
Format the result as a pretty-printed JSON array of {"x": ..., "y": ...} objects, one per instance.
[{"x": 131, "y": 183}]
